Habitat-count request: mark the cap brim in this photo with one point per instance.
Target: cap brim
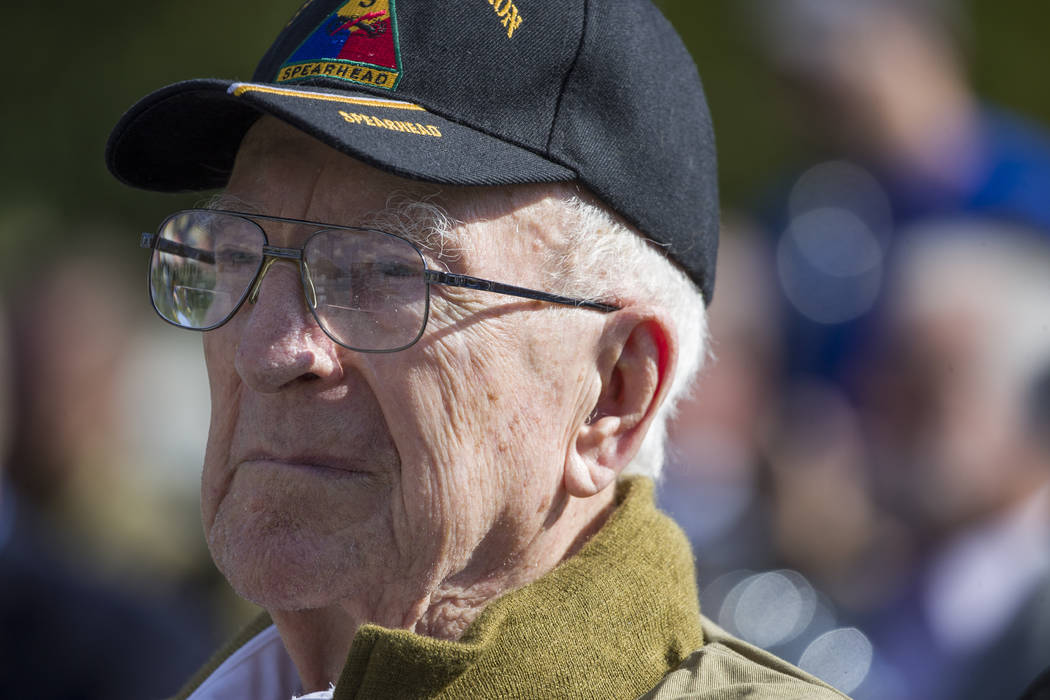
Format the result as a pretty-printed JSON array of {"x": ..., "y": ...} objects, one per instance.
[{"x": 185, "y": 137}]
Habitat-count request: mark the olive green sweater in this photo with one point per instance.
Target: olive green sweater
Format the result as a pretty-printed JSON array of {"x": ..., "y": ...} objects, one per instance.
[{"x": 610, "y": 622}]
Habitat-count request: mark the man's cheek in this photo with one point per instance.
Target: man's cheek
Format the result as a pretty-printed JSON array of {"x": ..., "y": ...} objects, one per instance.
[
  {"x": 217, "y": 470},
  {"x": 213, "y": 486},
  {"x": 220, "y": 350},
  {"x": 224, "y": 385}
]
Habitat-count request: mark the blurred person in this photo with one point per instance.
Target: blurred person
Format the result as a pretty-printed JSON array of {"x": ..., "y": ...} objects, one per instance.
[
  {"x": 67, "y": 633},
  {"x": 1039, "y": 688},
  {"x": 823, "y": 517},
  {"x": 881, "y": 92},
  {"x": 883, "y": 83},
  {"x": 767, "y": 478},
  {"x": 68, "y": 446},
  {"x": 74, "y": 459},
  {"x": 955, "y": 410},
  {"x": 436, "y": 484}
]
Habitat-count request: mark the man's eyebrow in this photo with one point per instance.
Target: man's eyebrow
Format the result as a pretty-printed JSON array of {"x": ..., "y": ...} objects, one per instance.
[
  {"x": 422, "y": 221},
  {"x": 228, "y": 202}
]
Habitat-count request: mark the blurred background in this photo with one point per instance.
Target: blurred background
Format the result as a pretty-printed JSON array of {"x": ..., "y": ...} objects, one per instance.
[{"x": 864, "y": 470}]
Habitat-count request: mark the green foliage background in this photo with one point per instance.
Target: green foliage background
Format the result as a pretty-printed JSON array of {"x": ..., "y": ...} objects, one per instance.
[{"x": 71, "y": 69}]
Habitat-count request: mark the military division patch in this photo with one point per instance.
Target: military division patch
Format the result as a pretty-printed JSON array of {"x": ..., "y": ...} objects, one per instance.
[{"x": 356, "y": 43}]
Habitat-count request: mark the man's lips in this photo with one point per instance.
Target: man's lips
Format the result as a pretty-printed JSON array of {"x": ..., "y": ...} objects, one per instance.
[{"x": 309, "y": 461}]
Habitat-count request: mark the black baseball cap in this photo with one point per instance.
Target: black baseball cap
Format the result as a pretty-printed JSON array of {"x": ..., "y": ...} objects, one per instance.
[{"x": 472, "y": 92}]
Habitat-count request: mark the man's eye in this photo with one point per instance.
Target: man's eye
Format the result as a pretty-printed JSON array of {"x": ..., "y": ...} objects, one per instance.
[
  {"x": 233, "y": 256},
  {"x": 394, "y": 269}
]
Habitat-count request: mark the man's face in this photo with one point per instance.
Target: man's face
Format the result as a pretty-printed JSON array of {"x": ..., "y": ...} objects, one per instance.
[{"x": 380, "y": 480}]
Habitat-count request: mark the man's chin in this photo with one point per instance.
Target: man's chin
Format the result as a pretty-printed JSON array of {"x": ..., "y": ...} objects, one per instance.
[
  {"x": 280, "y": 571},
  {"x": 284, "y": 595}
]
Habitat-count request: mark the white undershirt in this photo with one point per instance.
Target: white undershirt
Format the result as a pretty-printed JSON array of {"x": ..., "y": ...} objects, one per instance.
[{"x": 259, "y": 670}]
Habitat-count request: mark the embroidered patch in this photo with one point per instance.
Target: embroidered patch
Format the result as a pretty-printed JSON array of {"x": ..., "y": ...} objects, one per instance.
[{"x": 356, "y": 43}]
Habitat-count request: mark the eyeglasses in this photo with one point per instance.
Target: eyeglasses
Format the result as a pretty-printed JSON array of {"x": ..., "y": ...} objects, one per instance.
[{"x": 369, "y": 290}]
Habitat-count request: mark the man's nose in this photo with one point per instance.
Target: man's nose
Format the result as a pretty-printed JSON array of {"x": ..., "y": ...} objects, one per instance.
[{"x": 280, "y": 343}]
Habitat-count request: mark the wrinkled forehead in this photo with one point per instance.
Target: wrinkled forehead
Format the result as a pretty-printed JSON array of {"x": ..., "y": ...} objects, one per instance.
[{"x": 281, "y": 171}]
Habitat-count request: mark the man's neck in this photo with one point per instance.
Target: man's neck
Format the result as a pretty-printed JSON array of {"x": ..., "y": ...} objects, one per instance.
[{"x": 319, "y": 640}]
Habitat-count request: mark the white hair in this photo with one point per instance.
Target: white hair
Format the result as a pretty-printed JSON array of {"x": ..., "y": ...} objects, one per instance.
[{"x": 604, "y": 258}]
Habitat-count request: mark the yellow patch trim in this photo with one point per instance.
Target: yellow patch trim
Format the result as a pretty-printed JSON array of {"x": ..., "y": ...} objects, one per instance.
[
  {"x": 392, "y": 124},
  {"x": 239, "y": 89},
  {"x": 339, "y": 69}
]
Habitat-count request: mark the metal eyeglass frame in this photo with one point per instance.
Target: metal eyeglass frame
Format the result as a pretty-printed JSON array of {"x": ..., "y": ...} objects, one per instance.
[{"x": 271, "y": 254}]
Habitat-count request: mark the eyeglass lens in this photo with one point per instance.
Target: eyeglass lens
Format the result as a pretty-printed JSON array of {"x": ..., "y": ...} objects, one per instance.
[{"x": 367, "y": 289}]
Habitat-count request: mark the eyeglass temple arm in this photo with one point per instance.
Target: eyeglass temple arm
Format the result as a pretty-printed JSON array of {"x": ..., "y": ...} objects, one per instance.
[
  {"x": 150, "y": 240},
  {"x": 164, "y": 245},
  {"x": 451, "y": 280}
]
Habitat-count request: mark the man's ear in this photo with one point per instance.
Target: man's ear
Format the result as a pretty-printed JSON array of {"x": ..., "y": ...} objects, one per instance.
[{"x": 636, "y": 369}]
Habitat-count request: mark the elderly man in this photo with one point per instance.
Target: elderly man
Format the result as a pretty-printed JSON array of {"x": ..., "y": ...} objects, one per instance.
[{"x": 424, "y": 408}]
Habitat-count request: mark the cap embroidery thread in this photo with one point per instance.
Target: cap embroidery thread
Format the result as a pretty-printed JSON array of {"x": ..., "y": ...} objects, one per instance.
[
  {"x": 508, "y": 12},
  {"x": 357, "y": 43}
]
